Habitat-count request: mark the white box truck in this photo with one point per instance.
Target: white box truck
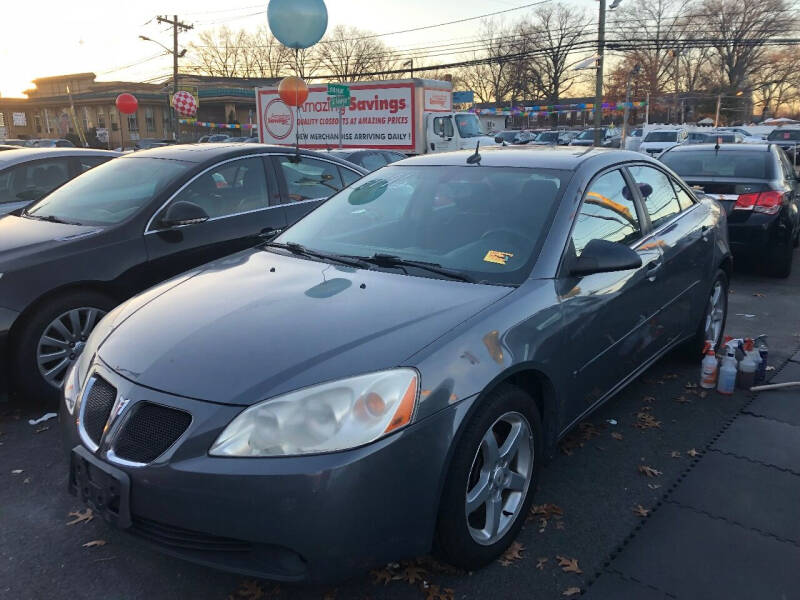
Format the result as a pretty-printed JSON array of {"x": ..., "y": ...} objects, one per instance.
[{"x": 413, "y": 116}]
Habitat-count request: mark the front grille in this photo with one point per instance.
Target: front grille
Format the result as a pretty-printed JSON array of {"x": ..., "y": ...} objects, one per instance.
[
  {"x": 169, "y": 535},
  {"x": 97, "y": 408},
  {"x": 149, "y": 431}
]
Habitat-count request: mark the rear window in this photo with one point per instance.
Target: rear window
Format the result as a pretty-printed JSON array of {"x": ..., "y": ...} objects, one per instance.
[
  {"x": 710, "y": 163},
  {"x": 778, "y": 135},
  {"x": 661, "y": 136}
]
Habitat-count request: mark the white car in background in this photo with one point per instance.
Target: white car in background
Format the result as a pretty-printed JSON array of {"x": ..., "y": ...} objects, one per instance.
[
  {"x": 749, "y": 137},
  {"x": 633, "y": 140},
  {"x": 656, "y": 141}
]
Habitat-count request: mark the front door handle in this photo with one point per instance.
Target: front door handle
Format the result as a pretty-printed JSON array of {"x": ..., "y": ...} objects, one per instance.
[
  {"x": 705, "y": 230},
  {"x": 653, "y": 267}
]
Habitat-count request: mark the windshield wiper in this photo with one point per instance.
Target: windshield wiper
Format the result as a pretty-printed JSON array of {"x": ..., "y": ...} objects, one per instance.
[
  {"x": 389, "y": 260},
  {"x": 49, "y": 218},
  {"x": 301, "y": 250}
]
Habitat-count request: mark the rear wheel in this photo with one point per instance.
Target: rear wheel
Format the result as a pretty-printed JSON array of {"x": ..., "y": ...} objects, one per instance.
[
  {"x": 51, "y": 340},
  {"x": 712, "y": 323},
  {"x": 490, "y": 486},
  {"x": 782, "y": 265}
]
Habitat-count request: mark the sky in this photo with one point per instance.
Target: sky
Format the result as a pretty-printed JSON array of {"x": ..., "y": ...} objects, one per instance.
[{"x": 100, "y": 37}]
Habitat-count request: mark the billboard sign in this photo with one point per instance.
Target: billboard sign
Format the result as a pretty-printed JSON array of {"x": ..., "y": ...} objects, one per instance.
[{"x": 378, "y": 116}]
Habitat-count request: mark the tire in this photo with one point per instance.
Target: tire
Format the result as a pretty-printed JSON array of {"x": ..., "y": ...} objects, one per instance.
[
  {"x": 466, "y": 542},
  {"x": 782, "y": 266},
  {"x": 29, "y": 380},
  {"x": 694, "y": 346}
]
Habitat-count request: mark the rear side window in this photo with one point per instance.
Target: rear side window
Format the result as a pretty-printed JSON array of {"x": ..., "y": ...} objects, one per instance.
[
  {"x": 607, "y": 213},
  {"x": 33, "y": 180},
  {"x": 349, "y": 176},
  {"x": 310, "y": 178},
  {"x": 684, "y": 198},
  {"x": 658, "y": 194},
  {"x": 372, "y": 161}
]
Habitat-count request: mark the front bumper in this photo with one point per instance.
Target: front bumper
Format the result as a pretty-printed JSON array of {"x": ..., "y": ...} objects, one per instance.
[
  {"x": 7, "y": 319},
  {"x": 316, "y": 518}
]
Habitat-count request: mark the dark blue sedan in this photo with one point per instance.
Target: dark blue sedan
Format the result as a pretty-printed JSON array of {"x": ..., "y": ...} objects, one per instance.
[{"x": 390, "y": 374}]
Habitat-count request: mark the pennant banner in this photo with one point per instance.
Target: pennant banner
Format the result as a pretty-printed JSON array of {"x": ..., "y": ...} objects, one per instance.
[
  {"x": 547, "y": 109},
  {"x": 216, "y": 125}
]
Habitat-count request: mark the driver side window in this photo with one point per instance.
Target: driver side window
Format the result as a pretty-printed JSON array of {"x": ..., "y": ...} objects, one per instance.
[
  {"x": 228, "y": 189},
  {"x": 443, "y": 127}
]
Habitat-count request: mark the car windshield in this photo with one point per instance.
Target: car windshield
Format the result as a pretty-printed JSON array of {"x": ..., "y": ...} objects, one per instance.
[
  {"x": 710, "y": 163},
  {"x": 589, "y": 134},
  {"x": 110, "y": 193},
  {"x": 661, "y": 136},
  {"x": 468, "y": 126},
  {"x": 484, "y": 222},
  {"x": 547, "y": 136},
  {"x": 508, "y": 136},
  {"x": 790, "y": 135}
]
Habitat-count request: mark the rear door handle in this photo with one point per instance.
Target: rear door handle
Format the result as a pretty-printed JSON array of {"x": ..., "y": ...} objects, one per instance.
[{"x": 653, "y": 267}]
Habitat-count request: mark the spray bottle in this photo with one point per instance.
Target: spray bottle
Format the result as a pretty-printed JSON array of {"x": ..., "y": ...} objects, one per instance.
[
  {"x": 763, "y": 353},
  {"x": 727, "y": 372},
  {"x": 748, "y": 365},
  {"x": 708, "y": 367}
]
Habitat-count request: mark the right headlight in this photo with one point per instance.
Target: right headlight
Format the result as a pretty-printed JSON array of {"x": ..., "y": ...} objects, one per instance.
[{"x": 332, "y": 416}]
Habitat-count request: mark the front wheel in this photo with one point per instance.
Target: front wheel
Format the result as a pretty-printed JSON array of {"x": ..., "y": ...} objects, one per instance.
[
  {"x": 51, "y": 340},
  {"x": 490, "y": 486},
  {"x": 712, "y": 323}
]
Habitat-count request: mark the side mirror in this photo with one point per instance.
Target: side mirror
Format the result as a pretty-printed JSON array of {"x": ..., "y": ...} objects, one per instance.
[
  {"x": 498, "y": 139},
  {"x": 183, "y": 213},
  {"x": 602, "y": 256}
]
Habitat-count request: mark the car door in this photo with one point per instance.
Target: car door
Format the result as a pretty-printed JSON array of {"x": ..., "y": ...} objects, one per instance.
[
  {"x": 242, "y": 202},
  {"x": 308, "y": 182},
  {"x": 680, "y": 229},
  {"x": 609, "y": 317},
  {"x": 440, "y": 134}
]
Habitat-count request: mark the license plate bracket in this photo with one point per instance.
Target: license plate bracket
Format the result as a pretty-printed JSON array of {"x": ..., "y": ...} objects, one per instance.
[{"x": 105, "y": 489}]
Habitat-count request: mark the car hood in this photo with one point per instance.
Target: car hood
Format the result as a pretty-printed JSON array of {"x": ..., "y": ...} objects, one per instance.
[
  {"x": 22, "y": 237},
  {"x": 258, "y": 324}
]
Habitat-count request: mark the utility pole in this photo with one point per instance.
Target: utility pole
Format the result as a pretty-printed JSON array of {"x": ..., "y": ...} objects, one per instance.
[
  {"x": 677, "y": 66},
  {"x": 626, "y": 112},
  {"x": 598, "y": 84},
  {"x": 410, "y": 63},
  {"x": 177, "y": 26},
  {"x": 716, "y": 115}
]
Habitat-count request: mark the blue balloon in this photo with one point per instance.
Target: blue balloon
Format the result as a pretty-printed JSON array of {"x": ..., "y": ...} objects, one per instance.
[{"x": 297, "y": 23}]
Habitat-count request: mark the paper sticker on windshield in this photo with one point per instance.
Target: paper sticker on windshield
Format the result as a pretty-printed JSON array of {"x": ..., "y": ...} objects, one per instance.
[{"x": 495, "y": 256}]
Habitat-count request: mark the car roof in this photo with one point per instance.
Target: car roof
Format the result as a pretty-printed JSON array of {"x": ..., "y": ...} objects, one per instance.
[
  {"x": 21, "y": 155},
  {"x": 211, "y": 152},
  {"x": 722, "y": 148},
  {"x": 544, "y": 157}
]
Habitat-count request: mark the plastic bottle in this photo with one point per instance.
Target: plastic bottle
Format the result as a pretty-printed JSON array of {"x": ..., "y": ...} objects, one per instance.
[
  {"x": 727, "y": 372},
  {"x": 763, "y": 353},
  {"x": 748, "y": 365},
  {"x": 708, "y": 368}
]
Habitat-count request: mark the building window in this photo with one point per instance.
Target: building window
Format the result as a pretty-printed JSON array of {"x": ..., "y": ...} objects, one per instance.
[
  {"x": 2, "y": 120},
  {"x": 133, "y": 123},
  {"x": 37, "y": 123},
  {"x": 85, "y": 119},
  {"x": 149, "y": 119},
  {"x": 101, "y": 117},
  {"x": 166, "y": 123}
]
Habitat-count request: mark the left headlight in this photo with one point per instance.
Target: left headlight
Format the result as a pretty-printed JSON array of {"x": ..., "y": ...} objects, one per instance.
[
  {"x": 72, "y": 388},
  {"x": 332, "y": 416}
]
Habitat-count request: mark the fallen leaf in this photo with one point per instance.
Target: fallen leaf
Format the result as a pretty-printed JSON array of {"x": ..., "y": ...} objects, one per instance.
[
  {"x": 26, "y": 480},
  {"x": 690, "y": 385},
  {"x": 682, "y": 400},
  {"x": 94, "y": 544},
  {"x": 649, "y": 399},
  {"x": 547, "y": 511},
  {"x": 434, "y": 593},
  {"x": 758, "y": 295},
  {"x": 616, "y": 436},
  {"x": 693, "y": 453},
  {"x": 383, "y": 576},
  {"x": 81, "y": 516},
  {"x": 568, "y": 565},
  {"x": 675, "y": 454},
  {"x": 571, "y": 591},
  {"x": 41, "y": 429},
  {"x": 649, "y": 471},
  {"x": 17, "y": 471},
  {"x": 540, "y": 562},
  {"x": 250, "y": 590},
  {"x": 671, "y": 376},
  {"x": 413, "y": 573},
  {"x": 770, "y": 368},
  {"x": 559, "y": 524},
  {"x": 654, "y": 486},
  {"x": 512, "y": 554},
  {"x": 702, "y": 393},
  {"x": 641, "y": 510},
  {"x": 644, "y": 420}
]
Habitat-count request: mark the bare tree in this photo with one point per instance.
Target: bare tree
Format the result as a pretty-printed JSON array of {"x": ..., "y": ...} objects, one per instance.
[
  {"x": 495, "y": 80},
  {"x": 266, "y": 56},
  {"x": 776, "y": 83},
  {"x": 219, "y": 52},
  {"x": 348, "y": 52}
]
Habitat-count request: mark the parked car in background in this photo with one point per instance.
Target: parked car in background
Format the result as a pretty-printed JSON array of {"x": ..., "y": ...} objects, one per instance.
[
  {"x": 367, "y": 158},
  {"x": 788, "y": 138},
  {"x": 59, "y": 143},
  {"x": 28, "y": 174},
  {"x": 747, "y": 137},
  {"x": 658, "y": 140},
  {"x": 511, "y": 136},
  {"x": 634, "y": 139},
  {"x": 696, "y": 137},
  {"x": 238, "y": 139},
  {"x": 214, "y": 138},
  {"x": 126, "y": 225},
  {"x": 252, "y": 140},
  {"x": 407, "y": 350},
  {"x": 759, "y": 190},
  {"x": 569, "y": 135},
  {"x": 15, "y": 142},
  {"x": 147, "y": 143},
  {"x": 551, "y": 138},
  {"x": 610, "y": 137}
]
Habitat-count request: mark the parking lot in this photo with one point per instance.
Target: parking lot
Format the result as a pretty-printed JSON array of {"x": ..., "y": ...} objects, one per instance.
[{"x": 590, "y": 498}]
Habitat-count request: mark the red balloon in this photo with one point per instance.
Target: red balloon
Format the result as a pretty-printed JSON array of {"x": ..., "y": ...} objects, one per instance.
[
  {"x": 293, "y": 91},
  {"x": 127, "y": 104}
]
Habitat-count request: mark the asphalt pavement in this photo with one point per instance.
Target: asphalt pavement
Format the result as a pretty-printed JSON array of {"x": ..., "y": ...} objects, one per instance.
[{"x": 604, "y": 517}]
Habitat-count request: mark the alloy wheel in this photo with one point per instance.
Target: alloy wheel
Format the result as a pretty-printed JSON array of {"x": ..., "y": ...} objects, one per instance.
[
  {"x": 63, "y": 340},
  {"x": 715, "y": 313},
  {"x": 499, "y": 478}
]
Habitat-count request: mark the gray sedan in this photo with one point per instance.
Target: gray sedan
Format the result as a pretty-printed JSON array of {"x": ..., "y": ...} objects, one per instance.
[
  {"x": 28, "y": 174},
  {"x": 389, "y": 375}
]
